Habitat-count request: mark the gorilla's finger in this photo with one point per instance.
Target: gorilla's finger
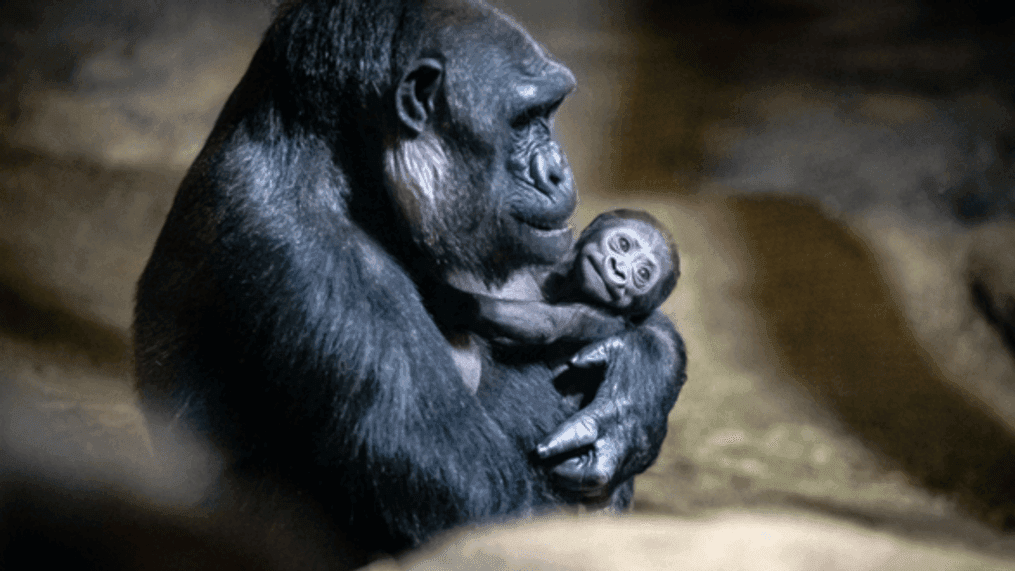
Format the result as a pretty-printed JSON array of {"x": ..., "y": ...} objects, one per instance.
[
  {"x": 570, "y": 474},
  {"x": 579, "y": 430},
  {"x": 597, "y": 353},
  {"x": 581, "y": 474},
  {"x": 607, "y": 460},
  {"x": 590, "y": 473},
  {"x": 559, "y": 370}
]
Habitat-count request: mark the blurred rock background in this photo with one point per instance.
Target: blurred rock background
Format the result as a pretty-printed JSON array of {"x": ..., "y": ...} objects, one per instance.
[{"x": 838, "y": 177}]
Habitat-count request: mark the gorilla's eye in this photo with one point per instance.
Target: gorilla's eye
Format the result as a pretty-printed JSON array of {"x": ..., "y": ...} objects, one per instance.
[
  {"x": 624, "y": 244},
  {"x": 522, "y": 120},
  {"x": 537, "y": 114},
  {"x": 529, "y": 119},
  {"x": 645, "y": 274}
]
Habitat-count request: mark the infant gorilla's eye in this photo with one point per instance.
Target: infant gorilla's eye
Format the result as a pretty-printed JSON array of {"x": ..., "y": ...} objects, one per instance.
[
  {"x": 624, "y": 244},
  {"x": 644, "y": 274}
]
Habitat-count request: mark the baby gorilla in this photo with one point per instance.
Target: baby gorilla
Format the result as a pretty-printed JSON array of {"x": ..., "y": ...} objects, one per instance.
[{"x": 623, "y": 266}]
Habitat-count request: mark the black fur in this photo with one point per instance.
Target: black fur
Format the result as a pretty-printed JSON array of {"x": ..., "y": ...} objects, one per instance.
[{"x": 281, "y": 311}]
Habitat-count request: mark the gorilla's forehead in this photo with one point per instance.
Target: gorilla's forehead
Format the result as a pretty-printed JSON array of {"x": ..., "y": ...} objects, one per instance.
[
  {"x": 494, "y": 64},
  {"x": 485, "y": 34}
]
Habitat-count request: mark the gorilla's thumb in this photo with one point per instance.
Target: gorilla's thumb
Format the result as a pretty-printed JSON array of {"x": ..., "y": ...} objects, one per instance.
[{"x": 579, "y": 430}]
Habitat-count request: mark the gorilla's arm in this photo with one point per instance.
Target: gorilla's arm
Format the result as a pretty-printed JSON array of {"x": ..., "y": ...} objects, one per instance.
[
  {"x": 427, "y": 457},
  {"x": 526, "y": 322},
  {"x": 303, "y": 347},
  {"x": 626, "y": 422}
]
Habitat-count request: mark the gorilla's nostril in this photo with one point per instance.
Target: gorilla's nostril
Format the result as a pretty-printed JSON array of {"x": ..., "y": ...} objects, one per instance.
[
  {"x": 545, "y": 174},
  {"x": 617, "y": 270}
]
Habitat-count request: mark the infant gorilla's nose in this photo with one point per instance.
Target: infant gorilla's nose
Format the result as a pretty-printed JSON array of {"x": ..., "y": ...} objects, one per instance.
[{"x": 618, "y": 269}]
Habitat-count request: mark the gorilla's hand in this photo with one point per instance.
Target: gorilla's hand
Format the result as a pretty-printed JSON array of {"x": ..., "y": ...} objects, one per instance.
[
  {"x": 619, "y": 433},
  {"x": 590, "y": 472},
  {"x": 599, "y": 428}
]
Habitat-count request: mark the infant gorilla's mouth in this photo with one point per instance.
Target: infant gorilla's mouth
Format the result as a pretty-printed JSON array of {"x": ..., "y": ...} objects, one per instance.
[{"x": 594, "y": 283}]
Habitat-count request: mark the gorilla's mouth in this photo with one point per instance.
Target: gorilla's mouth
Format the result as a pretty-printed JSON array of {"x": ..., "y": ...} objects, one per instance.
[
  {"x": 544, "y": 226},
  {"x": 550, "y": 232}
]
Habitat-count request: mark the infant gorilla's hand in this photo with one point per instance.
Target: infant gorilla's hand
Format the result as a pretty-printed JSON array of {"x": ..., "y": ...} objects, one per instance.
[{"x": 580, "y": 323}]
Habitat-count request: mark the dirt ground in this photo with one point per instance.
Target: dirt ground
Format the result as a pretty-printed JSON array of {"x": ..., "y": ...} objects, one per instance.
[{"x": 846, "y": 395}]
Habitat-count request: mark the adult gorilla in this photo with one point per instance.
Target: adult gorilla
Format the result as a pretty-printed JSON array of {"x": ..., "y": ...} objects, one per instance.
[{"x": 373, "y": 150}]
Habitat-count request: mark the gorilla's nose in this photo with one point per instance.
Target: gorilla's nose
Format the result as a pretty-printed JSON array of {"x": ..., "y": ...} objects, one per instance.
[
  {"x": 617, "y": 270},
  {"x": 552, "y": 176},
  {"x": 547, "y": 172}
]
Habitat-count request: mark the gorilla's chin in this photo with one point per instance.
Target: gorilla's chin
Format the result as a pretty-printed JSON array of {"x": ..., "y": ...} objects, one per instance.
[{"x": 547, "y": 245}]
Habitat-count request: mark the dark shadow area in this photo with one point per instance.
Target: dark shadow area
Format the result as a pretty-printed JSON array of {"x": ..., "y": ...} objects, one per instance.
[
  {"x": 696, "y": 56},
  {"x": 999, "y": 313},
  {"x": 46, "y": 522},
  {"x": 45, "y": 43},
  {"x": 929, "y": 47},
  {"x": 838, "y": 333},
  {"x": 990, "y": 270},
  {"x": 670, "y": 105}
]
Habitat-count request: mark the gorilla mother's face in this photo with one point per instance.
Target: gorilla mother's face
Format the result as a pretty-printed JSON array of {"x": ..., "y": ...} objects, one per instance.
[
  {"x": 476, "y": 173},
  {"x": 502, "y": 91}
]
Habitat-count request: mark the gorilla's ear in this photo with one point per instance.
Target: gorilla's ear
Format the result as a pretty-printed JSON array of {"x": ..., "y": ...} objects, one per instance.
[{"x": 417, "y": 92}]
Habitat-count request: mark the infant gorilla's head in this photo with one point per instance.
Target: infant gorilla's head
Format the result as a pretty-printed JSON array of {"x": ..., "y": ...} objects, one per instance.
[{"x": 627, "y": 261}]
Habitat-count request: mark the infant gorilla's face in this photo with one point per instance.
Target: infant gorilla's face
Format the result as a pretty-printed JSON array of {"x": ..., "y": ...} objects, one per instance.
[{"x": 622, "y": 263}]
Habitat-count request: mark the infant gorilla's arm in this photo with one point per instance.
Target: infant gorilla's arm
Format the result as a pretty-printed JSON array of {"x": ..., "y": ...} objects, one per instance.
[{"x": 524, "y": 322}]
